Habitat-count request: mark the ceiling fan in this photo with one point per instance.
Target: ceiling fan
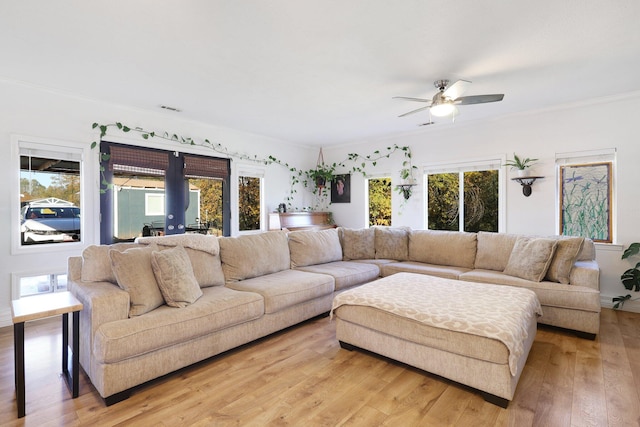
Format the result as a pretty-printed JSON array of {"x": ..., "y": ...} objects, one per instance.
[{"x": 444, "y": 102}]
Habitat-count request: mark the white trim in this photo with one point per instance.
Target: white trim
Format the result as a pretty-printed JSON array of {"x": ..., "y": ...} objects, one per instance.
[{"x": 66, "y": 150}]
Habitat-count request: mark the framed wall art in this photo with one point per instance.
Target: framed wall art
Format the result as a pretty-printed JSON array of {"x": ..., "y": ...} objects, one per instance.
[
  {"x": 341, "y": 189},
  {"x": 586, "y": 201}
]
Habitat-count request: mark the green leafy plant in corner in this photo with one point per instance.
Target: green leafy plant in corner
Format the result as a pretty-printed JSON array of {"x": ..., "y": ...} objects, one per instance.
[
  {"x": 520, "y": 163},
  {"x": 630, "y": 278}
]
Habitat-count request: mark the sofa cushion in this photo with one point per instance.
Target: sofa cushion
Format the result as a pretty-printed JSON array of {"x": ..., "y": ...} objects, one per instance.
[
  {"x": 174, "y": 274},
  {"x": 254, "y": 255},
  {"x": 549, "y": 293},
  {"x": 451, "y": 248},
  {"x": 311, "y": 247},
  {"x": 530, "y": 258},
  {"x": 96, "y": 263},
  {"x": 358, "y": 244},
  {"x": 286, "y": 288},
  {"x": 134, "y": 274},
  {"x": 219, "y": 308},
  {"x": 588, "y": 251},
  {"x": 494, "y": 250},
  {"x": 564, "y": 258},
  {"x": 346, "y": 273},
  {"x": 203, "y": 251},
  {"x": 392, "y": 242},
  {"x": 444, "y": 271}
]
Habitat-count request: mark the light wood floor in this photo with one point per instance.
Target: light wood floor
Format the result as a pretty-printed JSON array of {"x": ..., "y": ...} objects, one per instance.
[{"x": 301, "y": 377}]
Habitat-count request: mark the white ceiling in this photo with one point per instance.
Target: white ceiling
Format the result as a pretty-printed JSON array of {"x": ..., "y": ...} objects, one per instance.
[{"x": 322, "y": 72}]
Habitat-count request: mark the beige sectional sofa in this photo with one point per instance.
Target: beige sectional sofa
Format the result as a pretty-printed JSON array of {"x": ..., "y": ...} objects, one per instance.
[{"x": 163, "y": 303}]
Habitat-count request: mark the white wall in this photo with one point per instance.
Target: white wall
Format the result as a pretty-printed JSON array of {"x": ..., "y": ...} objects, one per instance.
[
  {"x": 600, "y": 124},
  {"x": 48, "y": 115}
]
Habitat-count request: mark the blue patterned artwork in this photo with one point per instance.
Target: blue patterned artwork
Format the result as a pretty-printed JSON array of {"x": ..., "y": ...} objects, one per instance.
[{"x": 585, "y": 201}]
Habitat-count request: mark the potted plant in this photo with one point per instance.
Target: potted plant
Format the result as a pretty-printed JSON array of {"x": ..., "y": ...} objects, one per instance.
[
  {"x": 630, "y": 278},
  {"x": 520, "y": 164},
  {"x": 321, "y": 175}
]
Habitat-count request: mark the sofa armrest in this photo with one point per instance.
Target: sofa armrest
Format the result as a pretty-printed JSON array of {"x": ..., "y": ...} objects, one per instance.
[
  {"x": 103, "y": 302},
  {"x": 585, "y": 273}
]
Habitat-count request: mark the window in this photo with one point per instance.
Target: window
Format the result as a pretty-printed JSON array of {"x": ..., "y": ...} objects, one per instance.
[
  {"x": 154, "y": 204},
  {"x": 379, "y": 201},
  {"x": 250, "y": 200},
  {"x": 48, "y": 195},
  {"x": 157, "y": 192},
  {"x": 38, "y": 284},
  {"x": 465, "y": 196},
  {"x": 585, "y": 194}
]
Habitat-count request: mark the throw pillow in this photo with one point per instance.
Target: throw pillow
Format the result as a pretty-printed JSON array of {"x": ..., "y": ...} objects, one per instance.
[
  {"x": 135, "y": 275},
  {"x": 358, "y": 244},
  {"x": 311, "y": 247},
  {"x": 565, "y": 256},
  {"x": 392, "y": 243},
  {"x": 530, "y": 258},
  {"x": 96, "y": 264},
  {"x": 174, "y": 274}
]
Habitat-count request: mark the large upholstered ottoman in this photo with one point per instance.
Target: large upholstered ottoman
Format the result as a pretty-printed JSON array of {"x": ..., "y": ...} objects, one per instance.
[{"x": 472, "y": 333}]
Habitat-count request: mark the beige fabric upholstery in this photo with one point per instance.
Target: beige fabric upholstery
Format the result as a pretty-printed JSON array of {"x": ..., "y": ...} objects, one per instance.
[
  {"x": 549, "y": 293},
  {"x": 494, "y": 250},
  {"x": 417, "y": 267},
  {"x": 392, "y": 243},
  {"x": 135, "y": 275},
  {"x": 586, "y": 273},
  {"x": 451, "y": 248},
  {"x": 254, "y": 255},
  {"x": 218, "y": 308},
  {"x": 286, "y": 288},
  {"x": 358, "y": 244},
  {"x": 203, "y": 251},
  {"x": 563, "y": 259},
  {"x": 399, "y": 328},
  {"x": 311, "y": 247},
  {"x": 174, "y": 275},
  {"x": 588, "y": 251},
  {"x": 346, "y": 273},
  {"x": 530, "y": 258},
  {"x": 97, "y": 263}
]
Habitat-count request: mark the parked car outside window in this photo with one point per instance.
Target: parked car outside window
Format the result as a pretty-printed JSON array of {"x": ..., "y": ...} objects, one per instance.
[{"x": 49, "y": 221}]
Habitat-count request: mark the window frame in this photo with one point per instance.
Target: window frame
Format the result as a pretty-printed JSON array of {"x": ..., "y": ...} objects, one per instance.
[
  {"x": 494, "y": 162},
  {"x": 251, "y": 172},
  {"x": 56, "y": 149}
]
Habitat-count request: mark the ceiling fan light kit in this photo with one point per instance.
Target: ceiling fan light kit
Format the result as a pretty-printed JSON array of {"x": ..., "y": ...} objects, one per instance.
[{"x": 444, "y": 102}]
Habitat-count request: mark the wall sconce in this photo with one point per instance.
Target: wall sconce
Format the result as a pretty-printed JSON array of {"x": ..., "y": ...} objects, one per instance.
[
  {"x": 527, "y": 182},
  {"x": 406, "y": 190}
]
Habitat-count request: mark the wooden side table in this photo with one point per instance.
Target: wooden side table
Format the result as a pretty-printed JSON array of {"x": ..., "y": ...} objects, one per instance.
[{"x": 39, "y": 307}]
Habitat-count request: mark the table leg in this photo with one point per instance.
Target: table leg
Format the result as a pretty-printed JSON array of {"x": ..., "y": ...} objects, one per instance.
[
  {"x": 76, "y": 354},
  {"x": 18, "y": 345},
  {"x": 65, "y": 344},
  {"x": 71, "y": 377}
]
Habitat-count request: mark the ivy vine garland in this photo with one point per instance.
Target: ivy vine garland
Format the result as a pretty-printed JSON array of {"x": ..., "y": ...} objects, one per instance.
[{"x": 357, "y": 161}]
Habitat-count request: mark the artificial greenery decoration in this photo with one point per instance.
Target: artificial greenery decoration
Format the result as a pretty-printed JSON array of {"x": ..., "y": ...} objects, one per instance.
[
  {"x": 630, "y": 278},
  {"x": 520, "y": 163},
  {"x": 354, "y": 162}
]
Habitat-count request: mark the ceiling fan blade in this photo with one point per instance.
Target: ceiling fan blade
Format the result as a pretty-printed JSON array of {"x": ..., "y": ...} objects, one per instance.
[
  {"x": 457, "y": 89},
  {"x": 479, "y": 99},
  {"x": 415, "y": 111},
  {"x": 412, "y": 99}
]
